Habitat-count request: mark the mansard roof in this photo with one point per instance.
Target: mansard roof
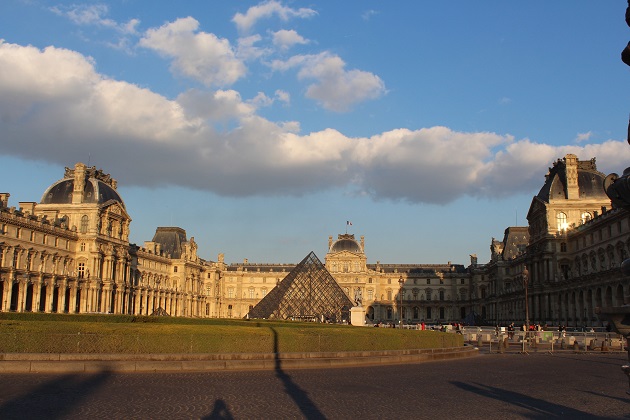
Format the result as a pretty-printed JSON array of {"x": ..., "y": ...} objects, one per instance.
[
  {"x": 171, "y": 240},
  {"x": 590, "y": 181}
]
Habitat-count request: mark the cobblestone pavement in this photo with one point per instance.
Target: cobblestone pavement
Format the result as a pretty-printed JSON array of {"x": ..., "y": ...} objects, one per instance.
[{"x": 538, "y": 386}]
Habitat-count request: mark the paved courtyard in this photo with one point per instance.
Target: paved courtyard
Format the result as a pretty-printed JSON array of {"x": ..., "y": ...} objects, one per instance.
[{"x": 538, "y": 386}]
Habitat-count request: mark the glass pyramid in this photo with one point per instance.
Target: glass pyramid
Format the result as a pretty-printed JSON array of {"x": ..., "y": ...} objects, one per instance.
[{"x": 309, "y": 293}]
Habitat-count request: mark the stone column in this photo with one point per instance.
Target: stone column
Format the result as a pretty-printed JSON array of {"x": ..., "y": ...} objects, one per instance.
[{"x": 6, "y": 298}]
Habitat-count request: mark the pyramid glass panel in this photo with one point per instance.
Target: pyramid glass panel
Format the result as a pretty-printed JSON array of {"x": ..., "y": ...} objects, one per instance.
[{"x": 308, "y": 292}]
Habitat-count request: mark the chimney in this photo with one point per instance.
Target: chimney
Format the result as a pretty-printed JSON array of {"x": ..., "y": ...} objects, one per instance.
[
  {"x": 4, "y": 199},
  {"x": 79, "y": 183},
  {"x": 573, "y": 191}
]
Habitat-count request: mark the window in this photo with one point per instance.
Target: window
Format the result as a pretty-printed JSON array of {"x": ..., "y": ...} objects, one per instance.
[
  {"x": 84, "y": 224},
  {"x": 81, "y": 270},
  {"x": 441, "y": 294},
  {"x": 428, "y": 313},
  {"x": 441, "y": 313},
  {"x": 586, "y": 216},
  {"x": 175, "y": 270},
  {"x": 264, "y": 292},
  {"x": 230, "y": 292},
  {"x": 389, "y": 295},
  {"x": 251, "y": 293},
  {"x": 561, "y": 219},
  {"x": 370, "y": 280},
  {"x": 82, "y": 246},
  {"x": 370, "y": 294},
  {"x": 429, "y": 294},
  {"x": 428, "y": 281},
  {"x": 563, "y": 247}
]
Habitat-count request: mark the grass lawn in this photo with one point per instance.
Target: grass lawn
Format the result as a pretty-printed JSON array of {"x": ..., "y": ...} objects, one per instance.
[{"x": 57, "y": 333}]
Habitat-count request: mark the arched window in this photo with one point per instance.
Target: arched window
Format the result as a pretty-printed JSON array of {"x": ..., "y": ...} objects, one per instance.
[
  {"x": 561, "y": 218},
  {"x": 84, "y": 224},
  {"x": 586, "y": 216}
]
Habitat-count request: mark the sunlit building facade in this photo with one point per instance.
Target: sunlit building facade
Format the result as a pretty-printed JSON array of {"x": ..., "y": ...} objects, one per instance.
[{"x": 70, "y": 253}]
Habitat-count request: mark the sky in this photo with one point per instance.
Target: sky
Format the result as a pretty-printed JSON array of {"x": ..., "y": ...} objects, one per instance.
[{"x": 264, "y": 127}]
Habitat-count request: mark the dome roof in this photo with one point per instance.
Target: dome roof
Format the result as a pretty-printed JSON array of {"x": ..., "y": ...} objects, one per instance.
[
  {"x": 94, "y": 191},
  {"x": 590, "y": 182},
  {"x": 345, "y": 245}
]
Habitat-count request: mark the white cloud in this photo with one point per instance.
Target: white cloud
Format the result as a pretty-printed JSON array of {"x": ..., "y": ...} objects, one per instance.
[
  {"x": 367, "y": 15},
  {"x": 247, "y": 50},
  {"x": 283, "y": 96},
  {"x": 200, "y": 56},
  {"x": 261, "y": 100},
  {"x": 244, "y": 22},
  {"x": 336, "y": 88},
  {"x": 582, "y": 137},
  {"x": 219, "y": 106},
  {"x": 285, "y": 39},
  {"x": 94, "y": 14},
  {"x": 56, "y": 108}
]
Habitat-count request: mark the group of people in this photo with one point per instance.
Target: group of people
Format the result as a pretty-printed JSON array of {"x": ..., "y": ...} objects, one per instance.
[{"x": 511, "y": 328}]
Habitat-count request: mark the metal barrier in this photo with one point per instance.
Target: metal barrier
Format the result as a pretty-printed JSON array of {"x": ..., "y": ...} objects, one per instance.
[{"x": 547, "y": 341}]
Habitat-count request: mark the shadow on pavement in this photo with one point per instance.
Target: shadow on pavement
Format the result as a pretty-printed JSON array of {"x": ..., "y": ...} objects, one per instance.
[
  {"x": 297, "y": 394},
  {"x": 219, "y": 412},
  {"x": 55, "y": 398},
  {"x": 539, "y": 408}
]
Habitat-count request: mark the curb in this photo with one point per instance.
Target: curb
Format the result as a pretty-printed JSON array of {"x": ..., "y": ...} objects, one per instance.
[{"x": 127, "y": 363}]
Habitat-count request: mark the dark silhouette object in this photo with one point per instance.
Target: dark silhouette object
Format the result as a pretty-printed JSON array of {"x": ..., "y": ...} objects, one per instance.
[
  {"x": 625, "y": 54},
  {"x": 298, "y": 395},
  {"x": 55, "y": 398},
  {"x": 220, "y": 412}
]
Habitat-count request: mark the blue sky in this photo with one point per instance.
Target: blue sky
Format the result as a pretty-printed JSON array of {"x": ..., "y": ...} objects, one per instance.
[{"x": 263, "y": 127}]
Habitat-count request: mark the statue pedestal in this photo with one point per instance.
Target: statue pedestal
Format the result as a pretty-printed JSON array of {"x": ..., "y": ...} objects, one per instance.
[{"x": 357, "y": 316}]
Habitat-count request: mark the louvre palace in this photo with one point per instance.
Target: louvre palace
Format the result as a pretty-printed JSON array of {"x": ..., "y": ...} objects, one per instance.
[{"x": 70, "y": 253}]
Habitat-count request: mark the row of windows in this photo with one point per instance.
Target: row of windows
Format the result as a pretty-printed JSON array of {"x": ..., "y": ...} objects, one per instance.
[
  {"x": 36, "y": 237},
  {"x": 251, "y": 293}
]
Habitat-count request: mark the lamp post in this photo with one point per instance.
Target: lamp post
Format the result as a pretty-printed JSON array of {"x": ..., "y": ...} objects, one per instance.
[
  {"x": 525, "y": 282},
  {"x": 401, "y": 282}
]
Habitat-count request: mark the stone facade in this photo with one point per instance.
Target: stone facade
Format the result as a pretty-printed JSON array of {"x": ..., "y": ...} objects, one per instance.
[
  {"x": 70, "y": 253},
  {"x": 572, "y": 250}
]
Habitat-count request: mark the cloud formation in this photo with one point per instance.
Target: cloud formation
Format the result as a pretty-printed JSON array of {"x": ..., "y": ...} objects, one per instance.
[
  {"x": 245, "y": 21},
  {"x": 335, "y": 88},
  {"x": 201, "y": 56},
  {"x": 54, "y": 106}
]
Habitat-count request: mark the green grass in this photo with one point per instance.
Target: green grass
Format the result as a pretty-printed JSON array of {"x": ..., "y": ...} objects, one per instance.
[{"x": 60, "y": 333}]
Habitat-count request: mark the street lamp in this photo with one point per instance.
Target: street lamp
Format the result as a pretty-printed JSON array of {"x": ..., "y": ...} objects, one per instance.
[
  {"x": 401, "y": 282},
  {"x": 525, "y": 282}
]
